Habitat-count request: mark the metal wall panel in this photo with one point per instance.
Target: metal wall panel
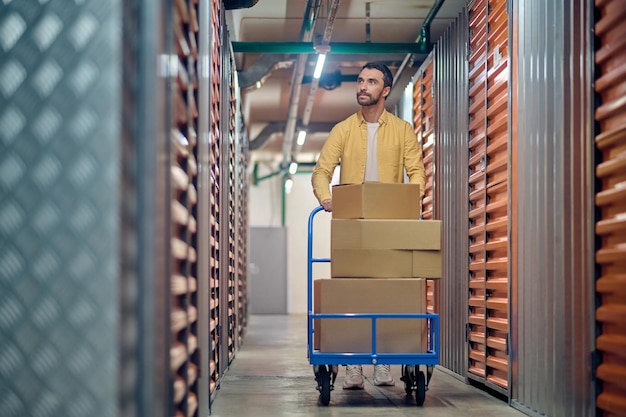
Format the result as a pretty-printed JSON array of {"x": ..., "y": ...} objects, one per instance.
[
  {"x": 451, "y": 190},
  {"x": 610, "y": 198},
  {"x": 145, "y": 242},
  {"x": 60, "y": 117},
  {"x": 204, "y": 209},
  {"x": 552, "y": 236}
]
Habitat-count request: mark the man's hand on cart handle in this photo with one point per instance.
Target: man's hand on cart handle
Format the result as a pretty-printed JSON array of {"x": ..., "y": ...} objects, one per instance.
[{"x": 328, "y": 205}]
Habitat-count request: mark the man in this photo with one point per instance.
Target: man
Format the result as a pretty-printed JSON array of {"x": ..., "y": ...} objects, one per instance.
[{"x": 371, "y": 145}]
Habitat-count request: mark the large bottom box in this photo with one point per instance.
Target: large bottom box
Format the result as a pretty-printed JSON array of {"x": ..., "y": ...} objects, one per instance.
[{"x": 370, "y": 295}]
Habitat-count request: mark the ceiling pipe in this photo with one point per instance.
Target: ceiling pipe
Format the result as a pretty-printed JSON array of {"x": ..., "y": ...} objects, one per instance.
[
  {"x": 262, "y": 69},
  {"x": 274, "y": 128},
  {"x": 336, "y": 48},
  {"x": 266, "y": 64},
  {"x": 306, "y": 35},
  {"x": 294, "y": 101},
  {"x": 423, "y": 40},
  {"x": 265, "y": 135},
  {"x": 324, "y": 48},
  {"x": 367, "y": 22}
]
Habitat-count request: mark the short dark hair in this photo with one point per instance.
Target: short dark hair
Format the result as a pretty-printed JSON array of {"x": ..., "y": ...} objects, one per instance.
[{"x": 387, "y": 75}]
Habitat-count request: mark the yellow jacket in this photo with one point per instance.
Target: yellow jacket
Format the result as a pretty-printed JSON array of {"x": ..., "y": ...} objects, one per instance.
[{"x": 347, "y": 143}]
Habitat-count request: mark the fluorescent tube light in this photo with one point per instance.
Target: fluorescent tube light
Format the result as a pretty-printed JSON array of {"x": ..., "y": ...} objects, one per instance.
[
  {"x": 288, "y": 185},
  {"x": 301, "y": 137},
  {"x": 319, "y": 66}
]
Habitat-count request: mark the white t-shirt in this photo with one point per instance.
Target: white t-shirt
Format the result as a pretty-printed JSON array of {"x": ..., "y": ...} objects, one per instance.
[{"x": 371, "y": 161}]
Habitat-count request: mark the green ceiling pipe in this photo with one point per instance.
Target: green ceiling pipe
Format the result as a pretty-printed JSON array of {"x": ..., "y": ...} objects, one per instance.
[
  {"x": 284, "y": 199},
  {"x": 335, "y": 48},
  {"x": 255, "y": 174},
  {"x": 424, "y": 38}
]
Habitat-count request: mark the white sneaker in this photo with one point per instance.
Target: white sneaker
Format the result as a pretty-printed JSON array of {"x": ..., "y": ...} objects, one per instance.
[
  {"x": 354, "y": 377},
  {"x": 382, "y": 375}
]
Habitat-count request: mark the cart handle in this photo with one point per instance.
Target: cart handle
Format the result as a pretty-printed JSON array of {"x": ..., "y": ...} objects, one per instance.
[
  {"x": 310, "y": 239},
  {"x": 310, "y": 261}
]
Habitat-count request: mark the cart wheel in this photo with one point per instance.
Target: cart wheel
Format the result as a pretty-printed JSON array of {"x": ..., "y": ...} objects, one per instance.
[
  {"x": 420, "y": 392},
  {"x": 324, "y": 384},
  {"x": 408, "y": 376}
]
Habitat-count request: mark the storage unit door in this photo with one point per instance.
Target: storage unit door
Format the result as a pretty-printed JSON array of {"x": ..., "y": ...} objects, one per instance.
[
  {"x": 215, "y": 156},
  {"x": 476, "y": 205},
  {"x": 497, "y": 194},
  {"x": 241, "y": 219},
  {"x": 424, "y": 123},
  {"x": 488, "y": 194},
  {"x": 185, "y": 359},
  {"x": 229, "y": 188},
  {"x": 611, "y": 202}
]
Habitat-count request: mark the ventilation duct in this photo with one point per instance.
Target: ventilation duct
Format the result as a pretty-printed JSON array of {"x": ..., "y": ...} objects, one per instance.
[{"x": 239, "y": 4}]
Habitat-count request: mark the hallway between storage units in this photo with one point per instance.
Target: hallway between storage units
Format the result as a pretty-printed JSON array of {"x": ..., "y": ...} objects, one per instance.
[{"x": 271, "y": 377}]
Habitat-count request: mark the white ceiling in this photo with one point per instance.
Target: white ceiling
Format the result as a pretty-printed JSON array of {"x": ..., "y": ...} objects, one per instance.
[{"x": 393, "y": 21}]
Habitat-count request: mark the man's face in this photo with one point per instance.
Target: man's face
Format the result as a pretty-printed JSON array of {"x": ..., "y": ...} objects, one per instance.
[{"x": 370, "y": 87}]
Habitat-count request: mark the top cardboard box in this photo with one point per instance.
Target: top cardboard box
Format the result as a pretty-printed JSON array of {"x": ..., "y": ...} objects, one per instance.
[{"x": 375, "y": 200}]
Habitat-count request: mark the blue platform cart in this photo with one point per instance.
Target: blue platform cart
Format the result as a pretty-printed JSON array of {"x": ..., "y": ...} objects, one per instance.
[{"x": 325, "y": 365}]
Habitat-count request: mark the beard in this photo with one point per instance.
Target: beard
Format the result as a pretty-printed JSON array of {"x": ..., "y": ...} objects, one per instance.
[{"x": 369, "y": 100}]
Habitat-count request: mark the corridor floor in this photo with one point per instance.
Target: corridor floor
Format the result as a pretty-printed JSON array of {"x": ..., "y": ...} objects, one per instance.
[{"x": 271, "y": 377}]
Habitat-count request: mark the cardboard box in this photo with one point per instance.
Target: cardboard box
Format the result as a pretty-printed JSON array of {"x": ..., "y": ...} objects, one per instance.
[
  {"x": 385, "y": 234},
  {"x": 427, "y": 264},
  {"x": 357, "y": 295},
  {"x": 385, "y": 263},
  {"x": 375, "y": 200}
]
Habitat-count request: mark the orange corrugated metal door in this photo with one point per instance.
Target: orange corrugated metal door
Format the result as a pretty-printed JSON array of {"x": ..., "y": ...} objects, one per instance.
[
  {"x": 425, "y": 131},
  {"x": 242, "y": 240},
  {"x": 423, "y": 121},
  {"x": 184, "y": 356},
  {"x": 477, "y": 159},
  {"x": 232, "y": 222},
  {"x": 488, "y": 191},
  {"x": 497, "y": 192},
  {"x": 611, "y": 201},
  {"x": 215, "y": 198}
]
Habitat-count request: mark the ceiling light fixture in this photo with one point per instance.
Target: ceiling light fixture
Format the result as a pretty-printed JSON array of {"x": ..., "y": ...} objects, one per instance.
[
  {"x": 321, "y": 58},
  {"x": 288, "y": 185},
  {"x": 301, "y": 137}
]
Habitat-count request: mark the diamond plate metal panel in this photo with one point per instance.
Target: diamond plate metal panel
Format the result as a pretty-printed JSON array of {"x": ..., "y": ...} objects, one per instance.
[{"x": 59, "y": 152}]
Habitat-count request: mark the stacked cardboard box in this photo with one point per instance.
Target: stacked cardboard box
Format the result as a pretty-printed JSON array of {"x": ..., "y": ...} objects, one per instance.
[
  {"x": 376, "y": 232},
  {"x": 380, "y": 253},
  {"x": 360, "y": 295}
]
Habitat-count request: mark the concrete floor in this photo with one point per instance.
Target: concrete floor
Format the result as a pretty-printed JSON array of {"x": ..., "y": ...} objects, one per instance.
[{"x": 271, "y": 377}]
